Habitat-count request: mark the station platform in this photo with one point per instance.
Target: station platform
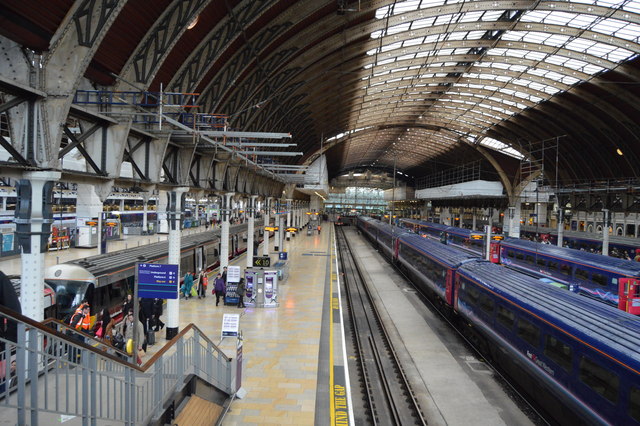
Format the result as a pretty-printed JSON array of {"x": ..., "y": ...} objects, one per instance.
[{"x": 281, "y": 344}]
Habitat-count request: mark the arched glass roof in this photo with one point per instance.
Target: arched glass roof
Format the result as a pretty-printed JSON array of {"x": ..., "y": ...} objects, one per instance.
[{"x": 468, "y": 65}]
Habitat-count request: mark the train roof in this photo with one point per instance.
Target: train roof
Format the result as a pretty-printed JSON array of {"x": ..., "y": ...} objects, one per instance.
[
  {"x": 447, "y": 255},
  {"x": 441, "y": 227},
  {"x": 580, "y": 235},
  {"x": 610, "y": 330},
  {"x": 383, "y": 226},
  {"x": 609, "y": 263},
  {"x": 102, "y": 264}
]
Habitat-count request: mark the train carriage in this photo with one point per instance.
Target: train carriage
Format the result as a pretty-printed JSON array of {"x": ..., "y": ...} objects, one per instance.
[
  {"x": 430, "y": 264},
  {"x": 594, "y": 275},
  {"x": 104, "y": 280},
  {"x": 582, "y": 353}
]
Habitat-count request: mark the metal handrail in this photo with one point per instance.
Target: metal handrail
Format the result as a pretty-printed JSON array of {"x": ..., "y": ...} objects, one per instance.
[{"x": 55, "y": 373}]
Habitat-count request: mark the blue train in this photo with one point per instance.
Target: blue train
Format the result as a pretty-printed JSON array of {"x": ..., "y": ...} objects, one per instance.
[
  {"x": 591, "y": 274},
  {"x": 460, "y": 237},
  {"x": 577, "y": 358},
  {"x": 619, "y": 246}
]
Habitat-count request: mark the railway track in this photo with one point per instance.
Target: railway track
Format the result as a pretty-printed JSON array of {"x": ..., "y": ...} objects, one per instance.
[{"x": 386, "y": 395}]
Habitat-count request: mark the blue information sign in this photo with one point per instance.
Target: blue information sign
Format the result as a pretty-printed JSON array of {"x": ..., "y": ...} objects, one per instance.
[{"x": 158, "y": 280}]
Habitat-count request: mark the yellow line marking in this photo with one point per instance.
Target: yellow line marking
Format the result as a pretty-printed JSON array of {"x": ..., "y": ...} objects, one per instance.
[{"x": 331, "y": 378}]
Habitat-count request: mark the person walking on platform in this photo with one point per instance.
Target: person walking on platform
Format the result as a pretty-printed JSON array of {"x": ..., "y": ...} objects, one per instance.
[
  {"x": 240, "y": 292},
  {"x": 219, "y": 288},
  {"x": 637, "y": 258},
  {"x": 202, "y": 284},
  {"x": 187, "y": 284},
  {"x": 157, "y": 313}
]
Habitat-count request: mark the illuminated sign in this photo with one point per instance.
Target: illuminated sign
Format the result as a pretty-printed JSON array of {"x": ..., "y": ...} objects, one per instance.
[
  {"x": 271, "y": 228},
  {"x": 292, "y": 229},
  {"x": 261, "y": 261},
  {"x": 111, "y": 224},
  {"x": 91, "y": 223},
  {"x": 476, "y": 237},
  {"x": 497, "y": 237}
]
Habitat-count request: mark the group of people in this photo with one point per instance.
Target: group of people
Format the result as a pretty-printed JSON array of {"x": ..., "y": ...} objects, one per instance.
[
  {"x": 118, "y": 334},
  {"x": 219, "y": 287},
  {"x": 200, "y": 290}
]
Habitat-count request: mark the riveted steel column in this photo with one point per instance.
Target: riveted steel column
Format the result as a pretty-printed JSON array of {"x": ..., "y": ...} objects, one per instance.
[
  {"x": 224, "y": 234},
  {"x": 267, "y": 211},
  {"x": 288, "y": 207},
  {"x": 560, "y": 225},
  {"x": 605, "y": 232},
  {"x": 251, "y": 213},
  {"x": 174, "y": 216},
  {"x": 33, "y": 218}
]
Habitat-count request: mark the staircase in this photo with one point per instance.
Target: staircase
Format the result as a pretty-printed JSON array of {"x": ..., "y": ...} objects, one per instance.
[{"x": 56, "y": 374}]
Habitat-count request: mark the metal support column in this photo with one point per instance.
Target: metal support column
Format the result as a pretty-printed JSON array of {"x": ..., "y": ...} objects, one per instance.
[
  {"x": 560, "y": 226},
  {"x": 224, "y": 234},
  {"x": 288, "y": 218},
  {"x": 251, "y": 214},
  {"x": 33, "y": 218},
  {"x": 605, "y": 232},
  {"x": 267, "y": 211},
  {"x": 174, "y": 216}
]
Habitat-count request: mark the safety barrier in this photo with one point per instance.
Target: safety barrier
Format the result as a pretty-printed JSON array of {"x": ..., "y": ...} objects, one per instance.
[{"x": 46, "y": 370}]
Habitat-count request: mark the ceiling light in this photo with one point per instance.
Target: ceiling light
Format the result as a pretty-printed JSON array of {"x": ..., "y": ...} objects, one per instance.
[
  {"x": 619, "y": 151},
  {"x": 193, "y": 23}
]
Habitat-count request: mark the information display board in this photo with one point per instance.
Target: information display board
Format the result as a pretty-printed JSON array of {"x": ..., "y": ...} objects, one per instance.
[
  {"x": 230, "y": 325},
  {"x": 233, "y": 278},
  {"x": 156, "y": 280}
]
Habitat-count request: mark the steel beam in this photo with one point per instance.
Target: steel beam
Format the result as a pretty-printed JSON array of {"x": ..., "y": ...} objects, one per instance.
[
  {"x": 255, "y": 135},
  {"x": 273, "y": 153}
]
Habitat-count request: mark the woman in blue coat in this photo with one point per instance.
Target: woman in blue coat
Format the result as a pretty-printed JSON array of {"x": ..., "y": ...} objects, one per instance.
[{"x": 187, "y": 283}]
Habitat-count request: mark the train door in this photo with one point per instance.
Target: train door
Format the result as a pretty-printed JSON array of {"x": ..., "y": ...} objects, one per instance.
[
  {"x": 199, "y": 258},
  {"x": 449, "y": 287},
  {"x": 396, "y": 249},
  {"x": 494, "y": 252},
  {"x": 629, "y": 295}
]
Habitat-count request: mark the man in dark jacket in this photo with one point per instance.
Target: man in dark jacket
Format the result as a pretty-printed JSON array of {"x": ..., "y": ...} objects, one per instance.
[
  {"x": 240, "y": 291},
  {"x": 220, "y": 288}
]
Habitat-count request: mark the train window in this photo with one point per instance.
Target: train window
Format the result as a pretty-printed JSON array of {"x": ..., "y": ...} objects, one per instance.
[
  {"x": 565, "y": 269},
  {"x": 486, "y": 304},
  {"x": 558, "y": 351},
  {"x": 553, "y": 266},
  {"x": 541, "y": 262},
  {"x": 582, "y": 274},
  {"x": 470, "y": 295},
  {"x": 598, "y": 378},
  {"x": 528, "y": 332},
  {"x": 519, "y": 256},
  {"x": 599, "y": 279},
  {"x": 511, "y": 254},
  {"x": 634, "y": 403},
  {"x": 529, "y": 259},
  {"x": 505, "y": 316}
]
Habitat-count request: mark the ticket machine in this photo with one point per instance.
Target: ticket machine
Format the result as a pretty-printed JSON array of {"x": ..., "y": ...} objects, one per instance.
[{"x": 261, "y": 287}]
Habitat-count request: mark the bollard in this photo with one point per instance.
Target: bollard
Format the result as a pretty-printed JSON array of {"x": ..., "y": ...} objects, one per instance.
[{"x": 57, "y": 260}]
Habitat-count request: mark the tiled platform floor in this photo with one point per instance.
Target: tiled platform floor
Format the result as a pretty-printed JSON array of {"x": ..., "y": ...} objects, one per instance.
[{"x": 280, "y": 344}]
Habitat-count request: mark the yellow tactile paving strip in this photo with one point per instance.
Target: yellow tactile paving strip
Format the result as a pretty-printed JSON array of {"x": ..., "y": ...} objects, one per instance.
[{"x": 280, "y": 344}]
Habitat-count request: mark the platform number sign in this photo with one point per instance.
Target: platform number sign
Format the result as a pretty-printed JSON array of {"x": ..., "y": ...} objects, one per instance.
[{"x": 261, "y": 261}]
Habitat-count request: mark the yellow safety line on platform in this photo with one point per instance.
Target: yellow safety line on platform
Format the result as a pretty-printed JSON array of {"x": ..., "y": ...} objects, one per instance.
[{"x": 331, "y": 383}]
